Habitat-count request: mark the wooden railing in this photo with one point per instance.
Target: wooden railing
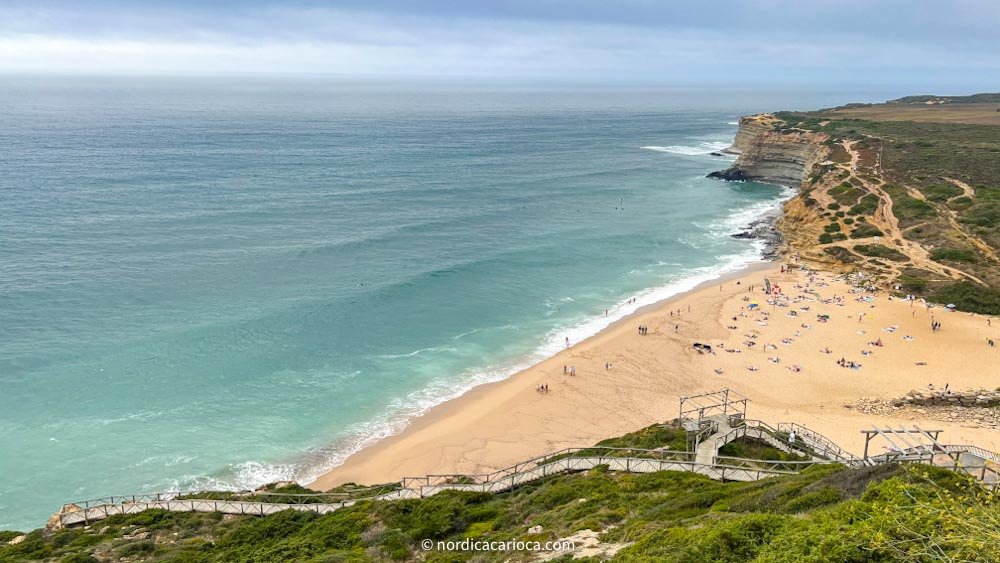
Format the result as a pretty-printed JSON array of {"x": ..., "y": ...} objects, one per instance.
[
  {"x": 262, "y": 503},
  {"x": 822, "y": 445}
]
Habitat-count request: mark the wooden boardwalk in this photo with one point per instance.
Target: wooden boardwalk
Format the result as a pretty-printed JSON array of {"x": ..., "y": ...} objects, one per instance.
[
  {"x": 651, "y": 461},
  {"x": 981, "y": 464}
]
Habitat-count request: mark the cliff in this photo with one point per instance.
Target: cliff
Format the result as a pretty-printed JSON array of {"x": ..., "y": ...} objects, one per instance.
[{"x": 768, "y": 154}]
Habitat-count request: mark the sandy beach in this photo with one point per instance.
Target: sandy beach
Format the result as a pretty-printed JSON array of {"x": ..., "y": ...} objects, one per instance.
[{"x": 625, "y": 380}]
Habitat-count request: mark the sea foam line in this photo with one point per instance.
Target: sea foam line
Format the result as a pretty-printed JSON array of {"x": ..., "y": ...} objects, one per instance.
[
  {"x": 704, "y": 147},
  {"x": 401, "y": 411}
]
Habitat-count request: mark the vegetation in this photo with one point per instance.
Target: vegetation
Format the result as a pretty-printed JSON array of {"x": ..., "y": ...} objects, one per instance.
[
  {"x": 826, "y": 513},
  {"x": 941, "y": 193},
  {"x": 827, "y": 237},
  {"x": 881, "y": 251},
  {"x": 753, "y": 448},
  {"x": 865, "y": 206},
  {"x": 967, "y": 296},
  {"x": 907, "y": 208},
  {"x": 658, "y": 436},
  {"x": 865, "y": 230},
  {"x": 946, "y": 254},
  {"x": 939, "y": 166},
  {"x": 842, "y": 254}
]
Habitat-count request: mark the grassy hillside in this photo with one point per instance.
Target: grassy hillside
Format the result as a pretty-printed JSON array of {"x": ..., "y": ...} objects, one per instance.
[
  {"x": 827, "y": 513},
  {"x": 935, "y": 171}
]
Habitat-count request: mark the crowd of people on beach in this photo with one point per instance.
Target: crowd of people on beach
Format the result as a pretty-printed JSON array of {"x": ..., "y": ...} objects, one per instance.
[{"x": 804, "y": 299}]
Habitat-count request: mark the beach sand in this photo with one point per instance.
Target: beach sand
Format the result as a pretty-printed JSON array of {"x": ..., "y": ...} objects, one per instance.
[{"x": 497, "y": 425}]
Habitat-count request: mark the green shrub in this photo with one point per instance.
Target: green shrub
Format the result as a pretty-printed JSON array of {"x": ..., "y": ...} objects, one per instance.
[
  {"x": 911, "y": 283},
  {"x": 971, "y": 297},
  {"x": 865, "y": 230},
  {"x": 7, "y": 535},
  {"x": 842, "y": 254},
  {"x": 941, "y": 192},
  {"x": 752, "y": 448},
  {"x": 881, "y": 251},
  {"x": 942, "y": 254},
  {"x": 906, "y": 207},
  {"x": 865, "y": 206}
]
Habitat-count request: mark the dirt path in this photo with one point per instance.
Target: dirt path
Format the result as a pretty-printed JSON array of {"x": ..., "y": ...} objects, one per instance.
[
  {"x": 887, "y": 222},
  {"x": 952, "y": 217}
]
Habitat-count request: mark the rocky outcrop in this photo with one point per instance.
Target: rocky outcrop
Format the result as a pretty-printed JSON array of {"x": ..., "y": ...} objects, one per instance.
[
  {"x": 767, "y": 154},
  {"x": 972, "y": 398},
  {"x": 979, "y": 408}
]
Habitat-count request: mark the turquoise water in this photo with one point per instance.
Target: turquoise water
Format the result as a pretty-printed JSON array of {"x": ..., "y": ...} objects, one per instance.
[{"x": 221, "y": 284}]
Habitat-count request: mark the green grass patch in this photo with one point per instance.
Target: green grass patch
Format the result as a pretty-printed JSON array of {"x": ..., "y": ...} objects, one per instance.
[
  {"x": 867, "y": 205},
  {"x": 842, "y": 254},
  {"x": 865, "y": 230},
  {"x": 968, "y": 296},
  {"x": 753, "y": 448},
  {"x": 945, "y": 254},
  {"x": 941, "y": 192},
  {"x": 907, "y": 208},
  {"x": 881, "y": 251}
]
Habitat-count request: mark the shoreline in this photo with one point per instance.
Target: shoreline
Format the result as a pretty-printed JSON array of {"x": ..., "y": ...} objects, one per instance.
[
  {"x": 763, "y": 228},
  {"x": 498, "y": 424},
  {"x": 760, "y": 232},
  {"x": 442, "y": 410}
]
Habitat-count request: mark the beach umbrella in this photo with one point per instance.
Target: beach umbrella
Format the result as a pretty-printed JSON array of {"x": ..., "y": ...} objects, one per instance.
[{"x": 950, "y": 305}]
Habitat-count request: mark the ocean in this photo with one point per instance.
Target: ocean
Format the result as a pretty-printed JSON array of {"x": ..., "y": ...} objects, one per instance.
[{"x": 219, "y": 283}]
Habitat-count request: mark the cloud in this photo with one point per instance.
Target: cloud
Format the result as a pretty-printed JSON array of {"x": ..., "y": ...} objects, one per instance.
[{"x": 639, "y": 40}]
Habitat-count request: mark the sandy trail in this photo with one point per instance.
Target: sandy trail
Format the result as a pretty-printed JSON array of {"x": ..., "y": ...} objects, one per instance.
[{"x": 496, "y": 425}]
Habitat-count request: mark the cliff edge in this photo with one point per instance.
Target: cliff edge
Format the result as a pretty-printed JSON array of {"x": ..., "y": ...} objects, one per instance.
[{"x": 773, "y": 155}]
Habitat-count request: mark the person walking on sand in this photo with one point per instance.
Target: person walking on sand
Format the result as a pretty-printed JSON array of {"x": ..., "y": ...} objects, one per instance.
[{"x": 567, "y": 342}]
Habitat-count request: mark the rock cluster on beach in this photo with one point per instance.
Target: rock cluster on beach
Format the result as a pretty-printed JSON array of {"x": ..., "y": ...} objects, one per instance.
[
  {"x": 763, "y": 229},
  {"x": 970, "y": 398},
  {"x": 978, "y": 408}
]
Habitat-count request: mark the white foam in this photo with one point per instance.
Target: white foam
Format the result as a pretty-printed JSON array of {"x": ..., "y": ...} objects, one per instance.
[
  {"x": 417, "y": 352},
  {"x": 753, "y": 212},
  {"x": 397, "y": 416},
  {"x": 705, "y": 147},
  {"x": 244, "y": 476},
  {"x": 399, "y": 413}
]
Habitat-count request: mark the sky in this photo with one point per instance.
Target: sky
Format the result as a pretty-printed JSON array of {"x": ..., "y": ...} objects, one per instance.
[{"x": 948, "y": 46}]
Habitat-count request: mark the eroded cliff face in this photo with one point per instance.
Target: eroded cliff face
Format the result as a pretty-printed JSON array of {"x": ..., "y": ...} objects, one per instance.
[{"x": 769, "y": 155}]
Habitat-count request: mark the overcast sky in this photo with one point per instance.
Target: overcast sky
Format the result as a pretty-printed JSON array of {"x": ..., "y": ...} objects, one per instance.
[{"x": 949, "y": 46}]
